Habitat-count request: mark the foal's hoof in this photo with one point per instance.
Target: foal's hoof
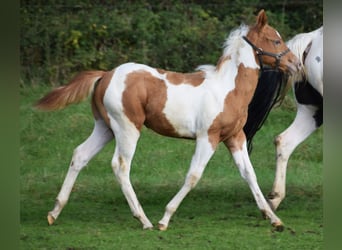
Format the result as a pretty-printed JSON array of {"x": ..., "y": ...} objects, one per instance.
[
  {"x": 278, "y": 226},
  {"x": 162, "y": 227},
  {"x": 50, "y": 219}
]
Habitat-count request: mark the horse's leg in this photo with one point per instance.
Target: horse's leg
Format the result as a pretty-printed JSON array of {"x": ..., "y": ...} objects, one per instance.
[
  {"x": 82, "y": 154},
  {"x": 302, "y": 126},
  {"x": 126, "y": 141},
  {"x": 204, "y": 151},
  {"x": 238, "y": 148}
]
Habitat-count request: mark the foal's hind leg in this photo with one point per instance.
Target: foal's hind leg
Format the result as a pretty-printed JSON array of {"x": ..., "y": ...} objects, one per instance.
[
  {"x": 82, "y": 154},
  {"x": 126, "y": 140},
  {"x": 303, "y": 125},
  {"x": 238, "y": 148}
]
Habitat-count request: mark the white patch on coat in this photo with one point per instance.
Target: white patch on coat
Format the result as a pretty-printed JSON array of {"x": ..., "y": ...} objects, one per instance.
[{"x": 314, "y": 67}]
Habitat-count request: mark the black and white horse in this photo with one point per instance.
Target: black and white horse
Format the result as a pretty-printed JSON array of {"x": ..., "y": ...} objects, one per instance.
[
  {"x": 307, "y": 86},
  {"x": 308, "y": 92}
]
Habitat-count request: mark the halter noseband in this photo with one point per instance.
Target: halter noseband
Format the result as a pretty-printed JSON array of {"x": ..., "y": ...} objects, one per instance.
[{"x": 260, "y": 52}]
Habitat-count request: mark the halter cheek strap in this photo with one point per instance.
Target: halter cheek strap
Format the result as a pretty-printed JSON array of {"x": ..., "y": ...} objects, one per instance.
[{"x": 260, "y": 52}]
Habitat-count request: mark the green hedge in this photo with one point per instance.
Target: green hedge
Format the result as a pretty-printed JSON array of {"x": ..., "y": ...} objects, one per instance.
[{"x": 60, "y": 38}]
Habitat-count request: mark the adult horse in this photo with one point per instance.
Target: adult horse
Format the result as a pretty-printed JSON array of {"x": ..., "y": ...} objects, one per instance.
[
  {"x": 209, "y": 106},
  {"x": 307, "y": 86},
  {"x": 308, "y": 93}
]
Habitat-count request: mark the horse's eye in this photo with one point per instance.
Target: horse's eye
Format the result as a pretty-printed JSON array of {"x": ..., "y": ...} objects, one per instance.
[{"x": 277, "y": 42}]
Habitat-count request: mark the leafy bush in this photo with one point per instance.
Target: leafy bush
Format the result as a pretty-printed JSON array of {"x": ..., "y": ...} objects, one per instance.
[{"x": 60, "y": 38}]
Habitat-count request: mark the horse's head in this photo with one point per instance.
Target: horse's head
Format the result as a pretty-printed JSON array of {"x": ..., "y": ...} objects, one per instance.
[{"x": 269, "y": 47}]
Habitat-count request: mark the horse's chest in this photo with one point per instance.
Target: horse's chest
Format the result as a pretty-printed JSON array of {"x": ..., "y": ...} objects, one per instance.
[{"x": 231, "y": 119}]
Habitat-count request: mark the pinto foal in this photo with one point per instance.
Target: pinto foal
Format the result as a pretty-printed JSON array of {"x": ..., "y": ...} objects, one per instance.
[{"x": 209, "y": 106}]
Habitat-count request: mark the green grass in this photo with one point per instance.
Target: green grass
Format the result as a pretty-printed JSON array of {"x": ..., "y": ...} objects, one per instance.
[{"x": 220, "y": 213}]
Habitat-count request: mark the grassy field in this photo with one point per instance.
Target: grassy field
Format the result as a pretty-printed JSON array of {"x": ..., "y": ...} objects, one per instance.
[{"x": 220, "y": 213}]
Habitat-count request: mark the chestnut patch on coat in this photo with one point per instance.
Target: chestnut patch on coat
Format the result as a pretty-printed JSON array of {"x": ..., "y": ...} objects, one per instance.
[
  {"x": 176, "y": 78},
  {"x": 144, "y": 100},
  {"x": 193, "y": 79},
  {"x": 231, "y": 120},
  {"x": 98, "y": 108},
  {"x": 235, "y": 142}
]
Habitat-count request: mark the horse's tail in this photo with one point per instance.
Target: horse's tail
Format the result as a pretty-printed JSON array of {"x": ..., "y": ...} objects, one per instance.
[
  {"x": 78, "y": 89},
  {"x": 270, "y": 90}
]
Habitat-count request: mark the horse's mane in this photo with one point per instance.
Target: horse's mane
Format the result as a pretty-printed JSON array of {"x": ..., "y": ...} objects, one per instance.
[
  {"x": 299, "y": 42},
  {"x": 234, "y": 41},
  {"x": 268, "y": 93},
  {"x": 231, "y": 48}
]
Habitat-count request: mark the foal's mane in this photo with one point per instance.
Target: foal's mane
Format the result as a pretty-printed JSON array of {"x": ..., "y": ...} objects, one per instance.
[
  {"x": 231, "y": 48},
  {"x": 234, "y": 41}
]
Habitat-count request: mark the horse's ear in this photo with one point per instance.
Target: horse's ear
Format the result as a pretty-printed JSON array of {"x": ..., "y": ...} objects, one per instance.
[{"x": 261, "y": 19}]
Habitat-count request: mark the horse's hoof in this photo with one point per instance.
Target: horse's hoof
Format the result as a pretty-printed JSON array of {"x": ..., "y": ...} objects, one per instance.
[
  {"x": 162, "y": 227},
  {"x": 278, "y": 226},
  {"x": 50, "y": 219}
]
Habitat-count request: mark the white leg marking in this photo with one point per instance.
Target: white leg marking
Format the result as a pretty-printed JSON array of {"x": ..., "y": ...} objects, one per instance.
[
  {"x": 100, "y": 136},
  {"x": 245, "y": 167},
  {"x": 202, "y": 155},
  {"x": 302, "y": 126}
]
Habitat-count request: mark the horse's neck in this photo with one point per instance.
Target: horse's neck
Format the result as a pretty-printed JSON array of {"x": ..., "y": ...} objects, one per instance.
[
  {"x": 299, "y": 43},
  {"x": 245, "y": 82},
  {"x": 244, "y": 68},
  {"x": 302, "y": 45},
  {"x": 237, "y": 80}
]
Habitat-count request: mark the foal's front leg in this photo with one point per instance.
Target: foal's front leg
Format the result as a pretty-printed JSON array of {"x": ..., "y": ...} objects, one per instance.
[
  {"x": 203, "y": 153},
  {"x": 238, "y": 148}
]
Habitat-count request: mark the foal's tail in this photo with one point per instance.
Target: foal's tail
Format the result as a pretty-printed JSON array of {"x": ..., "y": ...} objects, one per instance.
[
  {"x": 271, "y": 89},
  {"x": 77, "y": 90}
]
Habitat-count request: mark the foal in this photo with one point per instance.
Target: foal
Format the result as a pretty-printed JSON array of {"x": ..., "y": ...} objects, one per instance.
[{"x": 209, "y": 106}]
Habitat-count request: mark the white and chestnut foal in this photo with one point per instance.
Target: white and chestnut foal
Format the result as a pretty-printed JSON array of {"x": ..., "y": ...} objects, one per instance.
[{"x": 209, "y": 106}]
